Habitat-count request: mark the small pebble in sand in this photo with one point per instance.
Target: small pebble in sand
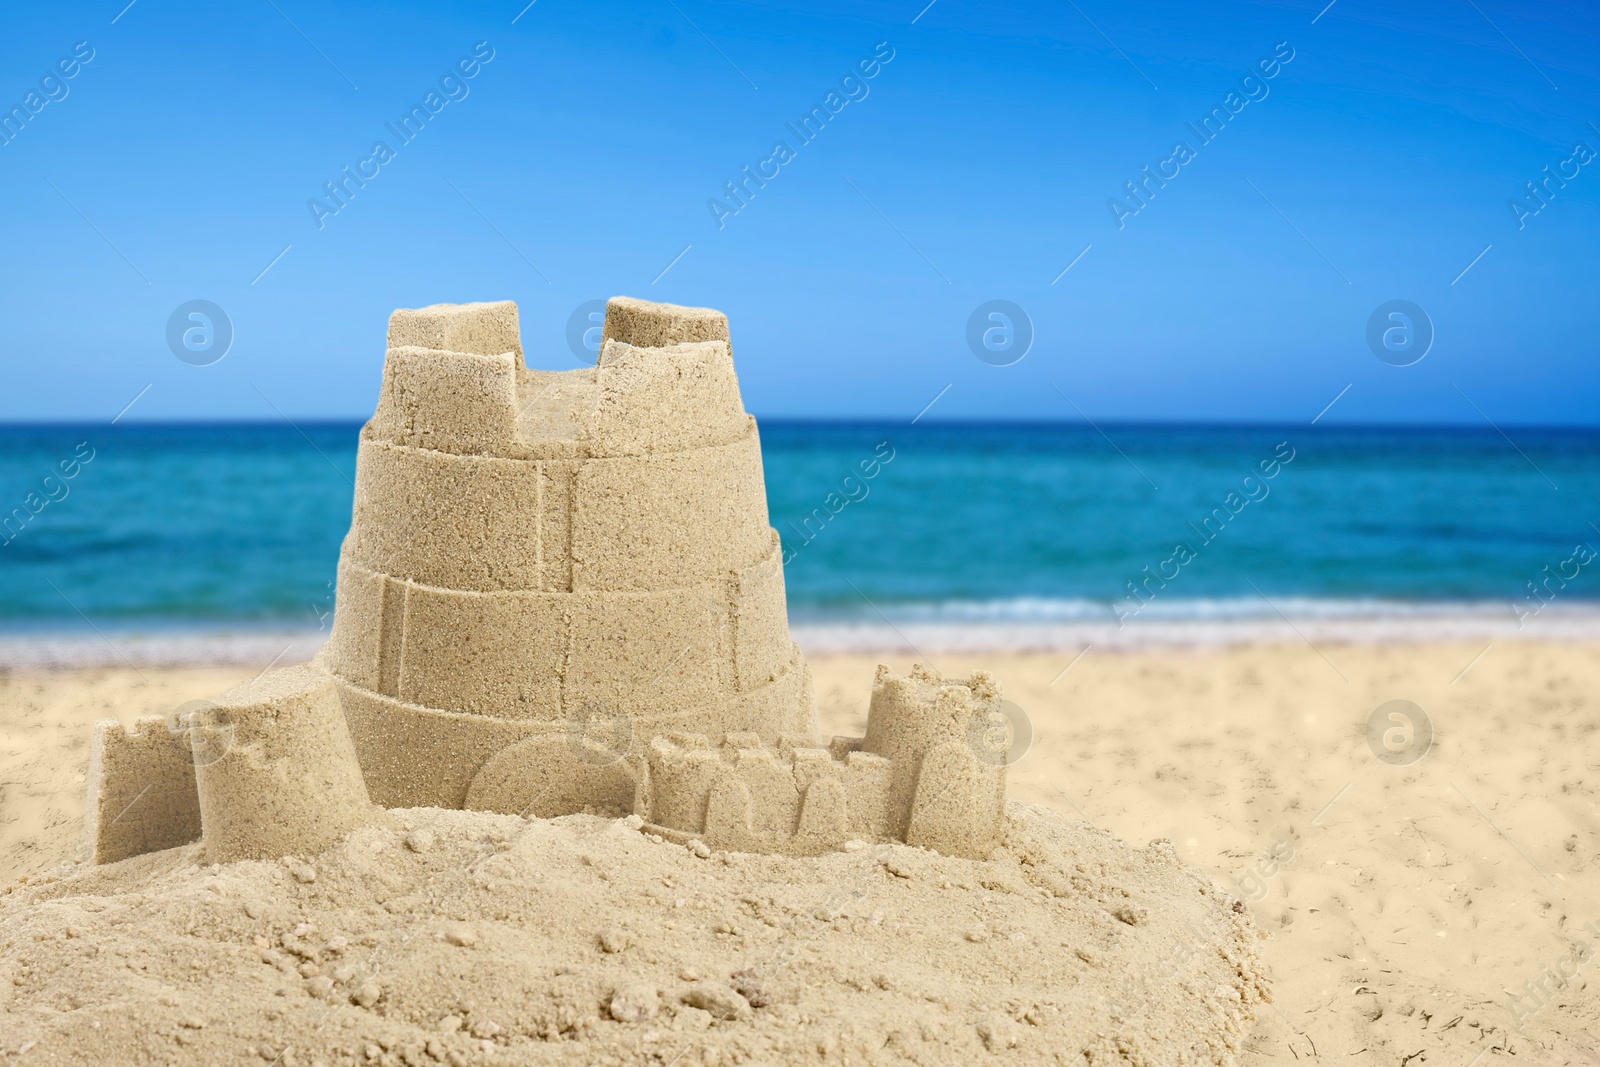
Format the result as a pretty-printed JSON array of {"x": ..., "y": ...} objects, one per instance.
[
  {"x": 700, "y": 849},
  {"x": 462, "y": 935},
  {"x": 747, "y": 983},
  {"x": 997, "y": 1033},
  {"x": 420, "y": 840},
  {"x": 720, "y": 1003},
  {"x": 615, "y": 940},
  {"x": 634, "y": 1002}
]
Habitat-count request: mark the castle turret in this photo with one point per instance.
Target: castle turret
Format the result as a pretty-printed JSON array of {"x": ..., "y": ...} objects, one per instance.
[
  {"x": 528, "y": 546},
  {"x": 283, "y": 777},
  {"x": 947, "y": 789}
]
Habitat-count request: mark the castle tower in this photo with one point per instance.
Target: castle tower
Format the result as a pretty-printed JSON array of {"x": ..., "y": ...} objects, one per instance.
[
  {"x": 546, "y": 569},
  {"x": 947, "y": 785}
]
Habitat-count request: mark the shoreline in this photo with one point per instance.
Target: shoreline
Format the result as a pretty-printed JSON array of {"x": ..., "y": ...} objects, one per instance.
[
  {"x": 167, "y": 645},
  {"x": 1432, "y": 886}
]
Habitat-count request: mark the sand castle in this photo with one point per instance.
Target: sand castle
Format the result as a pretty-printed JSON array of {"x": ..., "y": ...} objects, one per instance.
[{"x": 560, "y": 593}]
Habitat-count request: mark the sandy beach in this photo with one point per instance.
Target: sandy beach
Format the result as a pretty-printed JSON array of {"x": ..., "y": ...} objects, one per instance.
[{"x": 1437, "y": 911}]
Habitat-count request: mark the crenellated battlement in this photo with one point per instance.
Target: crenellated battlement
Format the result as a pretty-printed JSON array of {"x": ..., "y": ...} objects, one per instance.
[
  {"x": 454, "y": 381},
  {"x": 482, "y": 329},
  {"x": 925, "y": 783}
]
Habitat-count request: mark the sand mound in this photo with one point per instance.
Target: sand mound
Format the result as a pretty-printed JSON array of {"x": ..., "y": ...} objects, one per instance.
[{"x": 465, "y": 937}]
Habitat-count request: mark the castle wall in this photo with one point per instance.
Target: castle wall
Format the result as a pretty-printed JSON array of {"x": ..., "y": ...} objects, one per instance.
[
  {"x": 741, "y": 794},
  {"x": 639, "y": 398},
  {"x": 538, "y": 655},
  {"x": 663, "y": 521},
  {"x": 925, "y": 786},
  {"x": 486, "y": 523},
  {"x": 413, "y": 755},
  {"x": 463, "y": 522}
]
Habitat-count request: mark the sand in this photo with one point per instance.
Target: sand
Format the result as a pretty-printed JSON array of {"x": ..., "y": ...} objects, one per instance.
[
  {"x": 1406, "y": 906},
  {"x": 469, "y": 937}
]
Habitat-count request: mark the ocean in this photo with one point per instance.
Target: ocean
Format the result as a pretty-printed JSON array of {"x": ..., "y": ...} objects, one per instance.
[{"x": 1017, "y": 528}]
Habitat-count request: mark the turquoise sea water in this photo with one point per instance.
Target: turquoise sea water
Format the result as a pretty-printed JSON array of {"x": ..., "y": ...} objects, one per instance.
[{"x": 231, "y": 525}]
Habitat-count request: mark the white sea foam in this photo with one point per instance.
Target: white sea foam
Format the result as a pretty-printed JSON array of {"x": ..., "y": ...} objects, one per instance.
[
  {"x": 1040, "y": 624},
  {"x": 158, "y": 647},
  {"x": 1030, "y": 624}
]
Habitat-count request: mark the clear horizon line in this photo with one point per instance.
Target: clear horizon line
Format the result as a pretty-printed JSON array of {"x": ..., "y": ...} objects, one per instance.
[{"x": 895, "y": 420}]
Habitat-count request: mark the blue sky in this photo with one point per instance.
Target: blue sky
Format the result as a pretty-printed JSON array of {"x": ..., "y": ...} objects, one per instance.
[{"x": 1376, "y": 164}]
